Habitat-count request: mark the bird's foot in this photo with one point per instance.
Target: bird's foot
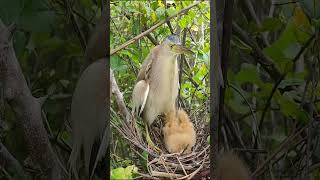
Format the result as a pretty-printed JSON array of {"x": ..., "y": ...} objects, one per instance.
[{"x": 151, "y": 144}]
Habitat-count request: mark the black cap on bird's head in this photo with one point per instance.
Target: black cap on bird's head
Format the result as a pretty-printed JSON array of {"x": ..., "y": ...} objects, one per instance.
[{"x": 173, "y": 41}]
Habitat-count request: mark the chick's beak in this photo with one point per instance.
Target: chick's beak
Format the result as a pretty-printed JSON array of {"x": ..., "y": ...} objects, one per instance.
[{"x": 179, "y": 49}]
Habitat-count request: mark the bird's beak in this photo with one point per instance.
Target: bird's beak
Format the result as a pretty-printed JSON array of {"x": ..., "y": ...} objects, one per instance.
[{"x": 179, "y": 49}]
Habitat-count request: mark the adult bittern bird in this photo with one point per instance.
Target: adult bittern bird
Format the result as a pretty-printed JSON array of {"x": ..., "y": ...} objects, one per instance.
[{"x": 157, "y": 84}]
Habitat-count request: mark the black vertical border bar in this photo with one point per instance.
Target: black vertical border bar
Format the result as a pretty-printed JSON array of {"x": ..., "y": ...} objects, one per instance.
[
  {"x": 214, "y": 88},
  {"x": 108, "y": 89}
]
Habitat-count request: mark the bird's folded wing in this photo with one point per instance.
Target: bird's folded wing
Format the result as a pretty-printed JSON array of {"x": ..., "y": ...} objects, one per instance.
[
  {"x": 146, "y": 65},
  {"x": 139, "y": 96},
  {"x": 145, "y": 96}
]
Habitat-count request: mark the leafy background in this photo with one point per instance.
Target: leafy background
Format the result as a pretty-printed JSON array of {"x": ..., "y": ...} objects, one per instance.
[{"x": 262, "y": 111}]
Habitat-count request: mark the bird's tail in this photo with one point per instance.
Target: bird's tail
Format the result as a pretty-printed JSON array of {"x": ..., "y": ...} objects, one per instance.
[{"x": 230, "y": 167}]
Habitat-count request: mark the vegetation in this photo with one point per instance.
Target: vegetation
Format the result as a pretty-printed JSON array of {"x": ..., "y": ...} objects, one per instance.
[{"x": 272, "y": 97}]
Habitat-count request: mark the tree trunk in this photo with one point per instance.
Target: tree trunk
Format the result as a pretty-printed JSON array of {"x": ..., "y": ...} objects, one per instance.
[{"x": 26, "y": 107}]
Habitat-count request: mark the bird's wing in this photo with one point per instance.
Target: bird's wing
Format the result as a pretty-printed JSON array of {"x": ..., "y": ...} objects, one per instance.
[
  {"x": 146, "y": 65},
  {"x": 139, "y": 96},
  {"x": 145, "y": 96}
]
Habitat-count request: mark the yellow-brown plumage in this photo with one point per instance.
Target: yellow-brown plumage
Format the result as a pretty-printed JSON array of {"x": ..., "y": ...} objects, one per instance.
[{"x": 178, "y": 133}]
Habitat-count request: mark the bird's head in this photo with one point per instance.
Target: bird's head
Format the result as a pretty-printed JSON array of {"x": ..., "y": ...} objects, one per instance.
[{"x": 173, "y": 44}]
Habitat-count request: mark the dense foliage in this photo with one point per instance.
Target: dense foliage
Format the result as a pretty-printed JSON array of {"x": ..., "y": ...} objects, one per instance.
[{"x": 266, "y": 107}]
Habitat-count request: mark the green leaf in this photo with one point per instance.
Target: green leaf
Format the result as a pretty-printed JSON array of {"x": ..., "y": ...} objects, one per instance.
[
  {"x": 265, "y": 90},
  {"x": 271, "y": 24},
  {"x": 186, "y": 3},
  {"x": 248, "y": 73},
  {"x": 191, "y": 15},
  {"x": 292, "y": 50},
  {"x": 123, "y": 173},
  {"x": 117, "y": 64},
  {"x": 296, "y": 33},
  {"x": 171, "y": 11},
  {"x": 183, "y": 22},
  {"x": 290, "y": 108},
  {"x": 241, "y": 45},
  {"x": 160, "y": 11},
  {"x": 237, "y": 106},
  {"x": 291, "y": 82},
  {"x": 64, "y": 83}
]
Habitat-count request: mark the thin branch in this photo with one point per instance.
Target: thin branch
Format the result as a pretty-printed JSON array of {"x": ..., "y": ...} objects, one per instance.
[
  {"x": 285, "y": 3},
  {"x": 305, "y": 46},
  {"x": 151, "y": 29},
  {"x": 153, "y": 40},
  {"x": 168, "y": 22},
  {"x": 263, "y": 59},
  {"x": 119, "y": 98},
  {"x": 76, "y": 25},
  {"x": 275, "y": 87},
  {"x": 244, "y": 98},
  {"x": 182, "y": 59},
  {"x": 255, "y": 17},
  {"x": 283, "y": 145}
]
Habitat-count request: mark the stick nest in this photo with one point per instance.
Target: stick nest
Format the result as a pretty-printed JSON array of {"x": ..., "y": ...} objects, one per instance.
[{"x": 165, "y": 165}]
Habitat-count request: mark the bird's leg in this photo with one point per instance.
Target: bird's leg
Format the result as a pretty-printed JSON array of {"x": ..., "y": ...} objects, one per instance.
[{"x": 149, "y": 141}]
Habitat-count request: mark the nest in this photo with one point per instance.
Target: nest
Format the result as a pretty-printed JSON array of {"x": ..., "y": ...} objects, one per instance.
[{"x": 174, "y": 166}]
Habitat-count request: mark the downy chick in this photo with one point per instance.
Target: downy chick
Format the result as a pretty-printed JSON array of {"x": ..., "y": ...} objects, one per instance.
[{"x": 179, "y": 134}]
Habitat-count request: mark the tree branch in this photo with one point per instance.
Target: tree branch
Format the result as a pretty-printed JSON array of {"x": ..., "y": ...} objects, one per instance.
[
  {"x": 27, "y": 108},
  {"x": 255, "y": 17},
  {"x": 267, "y": 63},
  {"x": 151, "y": 29},
  {"x": 76, "y": 25},
  {"x": 119, "y": 98}
]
